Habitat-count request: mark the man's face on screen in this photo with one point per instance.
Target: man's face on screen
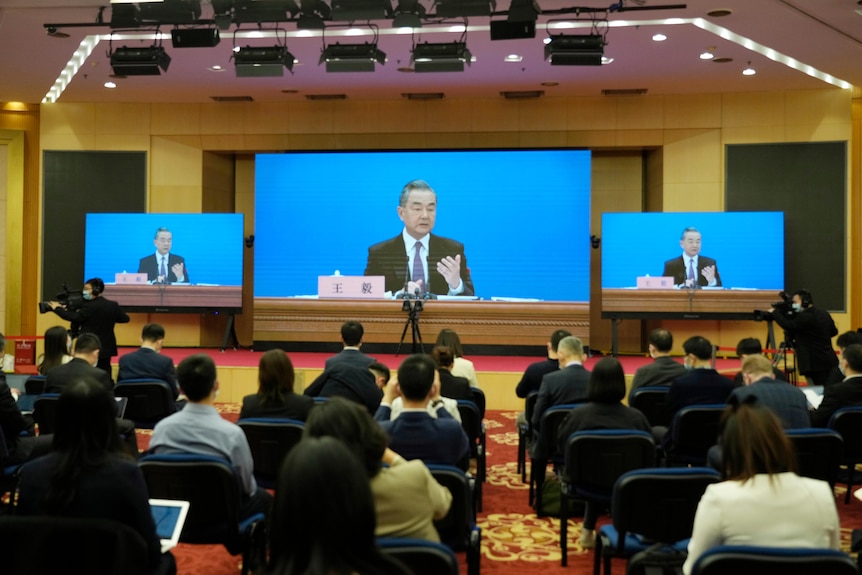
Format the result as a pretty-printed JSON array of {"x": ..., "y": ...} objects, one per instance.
[
  {"x": 163, "y": 242},
  {"x": 419, "y": 213},
  {"x": 690, "y": 243}
]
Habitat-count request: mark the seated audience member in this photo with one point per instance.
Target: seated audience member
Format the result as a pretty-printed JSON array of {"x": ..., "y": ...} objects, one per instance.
[
  {"x": 18, "y": 430},
  {"x": 58, "y": 344},
  {"x": 842, "y": 341},
  {"x": 415, "y": 434},
  {"x": 762, "y": 501},
  {"x": 83, "y": 364},
  {"x": 845, "y": 393},
  {"x": 87, "y": 475},
  {"x": 147, "y": 361},
  {"x": 381, "y": 373},
  {"x": 451, "y": 386},
  {"x": 462, "y": 367},
  {"x": 275, "y": 396},
  {"x": 751, "y": 346},
  {"x": 323, "y": 520},
  {"x": 569, "y": 385},
  {"x": 785, "y": 400},
  {"x": 407, "y": 498},
  {"x": 603, "y": 410},
  {"x": 351, "y": 337},
  {"x": 664, "y": 369},
  {"x": 199, "y": 428},
  {"x": 532, "y": 378},
  {"x": 345, "y": 380}
]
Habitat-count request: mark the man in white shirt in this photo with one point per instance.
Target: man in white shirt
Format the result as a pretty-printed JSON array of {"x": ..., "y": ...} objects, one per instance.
[
  {"x": 163, "y": 266},
  {"x": 692, "y": 269}
]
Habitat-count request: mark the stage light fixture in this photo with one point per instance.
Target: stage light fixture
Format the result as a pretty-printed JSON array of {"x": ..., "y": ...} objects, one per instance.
[
  {"x": 222, "y": 13},
  {"x": 312, "y": 15},
  {"x": 524, "y": 11},
  {"x": 257, "y": 11},
  {"x": 408, "y": 14},
  {"x": 257, "y": 61},
  {"x": 352, "y": 57},
  {"x": 352, "y": 10},
  {"x": 461, "y": 8},
  {"x": 195, "y": 37},
  {"x": 575, "y": 50},
  {"x": 125, "y": 16},
  {"x": 139, "y": 61},
  {"x": 444, "y": 57},
  {"x": 171, "y": 11}
]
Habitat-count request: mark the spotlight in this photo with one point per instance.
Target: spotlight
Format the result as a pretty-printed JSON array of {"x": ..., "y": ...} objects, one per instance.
[
  {"x": 408, "y": 14},
  {"x": 445, "y": 57},
  {"x": 125, "y": 16},
  {"x": 312, "y": 14},
  {"x": 352, "y": 10},
  {"x": 524, "y": 11},
  {"x": 459, "y": 8},
  {"x": 257, "y": 61},
  {"x": 139, "y": 61},
  {"x": 257, "y": 11},
  {"x": 351, "y": 57},
  {"x": 575, "y": 50},
  {"x": 195, "y": 37},
  {"x": 171, "y": 11}
]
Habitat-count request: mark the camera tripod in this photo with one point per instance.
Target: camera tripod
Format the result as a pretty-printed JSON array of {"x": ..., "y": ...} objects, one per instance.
[
  {"x": 780, "y": 357},
  {"x": 413, "y": 305}
]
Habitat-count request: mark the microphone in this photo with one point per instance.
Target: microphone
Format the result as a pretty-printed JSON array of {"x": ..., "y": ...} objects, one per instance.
[
  {"x": 416, "y": 294},
  {"x": 404, "y": 292}
]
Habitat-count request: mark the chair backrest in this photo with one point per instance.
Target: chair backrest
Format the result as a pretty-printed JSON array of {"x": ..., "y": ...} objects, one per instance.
[
  {"x": 848, "y": 422},
  {"x": 150, "y": 400},
  {"x": 35, "y": 385},
  {"x": 419, "y": 556},
  {"x": 652, "y": 402},
  {"x": 547, "y": 444},
  {"x": 211, "y": 487},
  {"x": 45, "y": 412},
  {"x": 530, "y": 405},
  {"x": 454, "y": 529},
  {"x": 43, "y": 544},
  {"x": 818, "y": 452},
  {"x": 659, "y": 503},
  {"x": 695, "y": 430},
  {"x": 270, "y": 440},
  {"x": 479, "y": 400},
  {"x": 595, "y": 459},
  {"x": 471, "y": 420},
  {"x": 773, "y": 561}
]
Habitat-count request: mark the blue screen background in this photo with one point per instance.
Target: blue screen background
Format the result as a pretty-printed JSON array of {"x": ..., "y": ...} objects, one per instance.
[{"x": 523, "y": 216}]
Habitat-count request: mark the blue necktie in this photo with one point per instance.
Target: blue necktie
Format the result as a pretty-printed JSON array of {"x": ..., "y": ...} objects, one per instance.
[{"x": 418, "y": 268}]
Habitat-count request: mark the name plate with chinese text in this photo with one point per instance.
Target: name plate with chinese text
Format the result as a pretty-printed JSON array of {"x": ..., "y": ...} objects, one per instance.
[{"x": 351, "y": 287}]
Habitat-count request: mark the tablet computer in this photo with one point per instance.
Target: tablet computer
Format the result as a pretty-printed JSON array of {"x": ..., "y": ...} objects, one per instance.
[{"x": 169, "y": 515}]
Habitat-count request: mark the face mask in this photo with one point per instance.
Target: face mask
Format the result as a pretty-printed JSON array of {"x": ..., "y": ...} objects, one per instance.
[
  {"x": 797, "y": 307},
  {"x": 88, "y": 296}
]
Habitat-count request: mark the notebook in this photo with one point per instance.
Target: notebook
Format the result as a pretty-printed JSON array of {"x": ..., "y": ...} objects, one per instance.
[{"x": 169, "y": 516}]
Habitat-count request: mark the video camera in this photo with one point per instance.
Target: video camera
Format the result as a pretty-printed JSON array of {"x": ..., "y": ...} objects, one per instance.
[
  {"x": 73, "y": 300},
  {"x": 784, "y": 307}
]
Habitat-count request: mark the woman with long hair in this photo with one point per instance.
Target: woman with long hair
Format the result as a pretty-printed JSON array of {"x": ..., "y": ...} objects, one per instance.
[
  {"x": 57, "y": 347},
  {"x": 275, "y": 396},
  {"x": 461, "y": 366},
  {"x": 323, "y": 520},
  {"x": 88, "y": 475},
  {"x": 762, "y": 500}
]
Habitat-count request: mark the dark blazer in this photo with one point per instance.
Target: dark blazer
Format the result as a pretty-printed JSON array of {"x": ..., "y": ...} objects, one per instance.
[
  {"x": 345, "y": 380},
  {"x": 532, "y": 378},
  {"x": 847, "y": 393},
  {"x": 811, "y": 330},
  {"x": 417, "y": 435},
  {"x": 11, "y": 420},
  {"x": 662, "y": 371},
  {"x": 785, "y": 400},
  {"x": 454, "y": 387},
  {"x": 697, "y": 387},
  {"x": 676, "y": 267},
  {"x": 568, "y": 385},
  {"x": 98, "y": 316},
  {"x": 352, "y": 357},
  {"x": 147, "y": 363},
  {"x": 62, "y": 375},
  {"x": 293, "y": 406},
  {"x": 389, "y": 259},
  {"x": 150, "y": 266},
  {"x": 595, "y": 415}
]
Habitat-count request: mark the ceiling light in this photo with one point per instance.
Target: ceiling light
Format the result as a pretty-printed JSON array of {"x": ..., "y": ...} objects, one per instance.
[
  {"x": 110, "y": 85},
  {"x": 352, "y": 10},
  {"x": 459, "y": 8},
  {"x": 606, "y": 60},
  {"x": 512, "y": 30},
  {"x": 257, "y": 61},
  {"x": 408, "y": 14},
  {"x": 708, "y": 54},
  {"x": 125, "y": 16},
  {"x": 749, "y": 71},
  {"x": 258, "y": 11},
  {"x": 352, "y": 57},
  {"x": 445, "y": 57},
  {"x": 139, "y": 61},
  {"x": 513, "y": 58},
  {"x": 575, "y": 50},
  {"x": 659, "y": 37}
]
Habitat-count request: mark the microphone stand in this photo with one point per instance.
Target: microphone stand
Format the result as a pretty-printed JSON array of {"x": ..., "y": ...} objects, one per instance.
[
  {"x": 691, "y": 287},
  {"x": 413, "y": 305}
]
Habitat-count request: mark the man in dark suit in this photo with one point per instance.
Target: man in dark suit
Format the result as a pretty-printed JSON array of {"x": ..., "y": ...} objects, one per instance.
[
  {"x": 568, "y": 385},
  {"x": 664, "y": 369},
  {"x": 97, "y": 315},
  {"x": 787, "y": 401},
  {"x": 351, "y": 337},
  {"x": 147, "y": 362},
  {"x": 348, "y": 381},
  {"x": 163, "y": 266},
  {"x": 83, "y": 364},
  {"x": 532, "y": 378},
  {"x": 414, "y": 434},
  {"x": 692, "y": 269},
  {"x": 417, "y": 260},
  {"x": 845, "y": 393}
]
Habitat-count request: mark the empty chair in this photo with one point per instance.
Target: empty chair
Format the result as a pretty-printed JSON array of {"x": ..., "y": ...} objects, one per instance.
[
  {"x": 150, "y": 401},
  {"x": 695, "y": 430},
  {"x": 420, "y": 556},
  {"x": 458, "y": 528},
  {"x": 818, "y": 452},
  {"x": 652, "y": 402},
  {"x": 545, "y": 449},
  {"x": 848, "y": 422},
  {"x": 45, "y": 412},
  {"x": 270, "y": 440},
  {"x": 773, "y": 561}
]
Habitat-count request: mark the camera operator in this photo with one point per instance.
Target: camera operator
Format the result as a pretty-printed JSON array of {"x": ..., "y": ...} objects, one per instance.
[
  {"x": 810, "y": 330},
  {"x": 97, "y": 315}
]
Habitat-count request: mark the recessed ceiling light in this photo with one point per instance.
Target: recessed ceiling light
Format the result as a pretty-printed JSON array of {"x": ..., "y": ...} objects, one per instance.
[
  {"x": 290, "y": 91},
  {"x": 707, "y": 55},
  {"x": 113, "y": 85},
  {"x": 606, "y": 60},
  {"x": 216, "y": 68},
  {"x": 749, "y": 71},
  {"x": 719, "y": 13},
  {"x": 659, "y": 37},
  {"x": 513, "y": 58}
]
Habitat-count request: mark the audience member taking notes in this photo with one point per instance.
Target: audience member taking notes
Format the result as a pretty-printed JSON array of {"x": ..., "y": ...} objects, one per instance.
[
  {"x": 692, "y": 269},
  {"x": 164, "y": 267}
]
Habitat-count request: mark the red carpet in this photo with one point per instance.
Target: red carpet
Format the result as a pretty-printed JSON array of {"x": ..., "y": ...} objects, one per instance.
[{"x": 514, "y": 540}]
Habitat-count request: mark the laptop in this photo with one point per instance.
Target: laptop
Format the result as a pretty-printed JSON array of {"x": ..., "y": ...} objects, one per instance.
[
  {"x": 130, "y": 279},
  {"x": 169, "y": 515}
]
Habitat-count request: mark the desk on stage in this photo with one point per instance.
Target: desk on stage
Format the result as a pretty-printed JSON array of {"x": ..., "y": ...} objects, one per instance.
[{"x": 176, "y": 296}]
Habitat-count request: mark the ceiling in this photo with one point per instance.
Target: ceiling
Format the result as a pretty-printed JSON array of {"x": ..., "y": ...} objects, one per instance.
[{"x": 823, "y": 34}]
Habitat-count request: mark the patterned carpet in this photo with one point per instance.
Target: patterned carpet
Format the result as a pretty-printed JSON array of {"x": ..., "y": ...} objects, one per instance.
[{"x": 514, "y": 540}]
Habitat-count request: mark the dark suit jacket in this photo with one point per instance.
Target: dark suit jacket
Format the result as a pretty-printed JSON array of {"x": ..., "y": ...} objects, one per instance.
[
  {"x": 454, "y": 387},
  {"x": 150, "y": 266},
  {"x": 11, "y": 420},
  {"x": 293, "y": 406},
  {"x": 847, "y": 393},
  {"x": 811, "y": 330},
  {"x": 417, "y": 435},
  {"x": 352, "y": 357},
  {"x": 389, "y": 259},
  {"x": 98, "y": 316},
  {"x": 147, "y": 363},
  {"x": 62, "y": 375},
  {"x": 785, "y": 400},
  {"x": 532, "y": 378},
  {"x": 662, "y": 371},
  {"x": 676, "y": 267},
  {"x": 345, "y": 380},
  {"x": 568, "y": 385},
  {"x": 697, "y": 387}
]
